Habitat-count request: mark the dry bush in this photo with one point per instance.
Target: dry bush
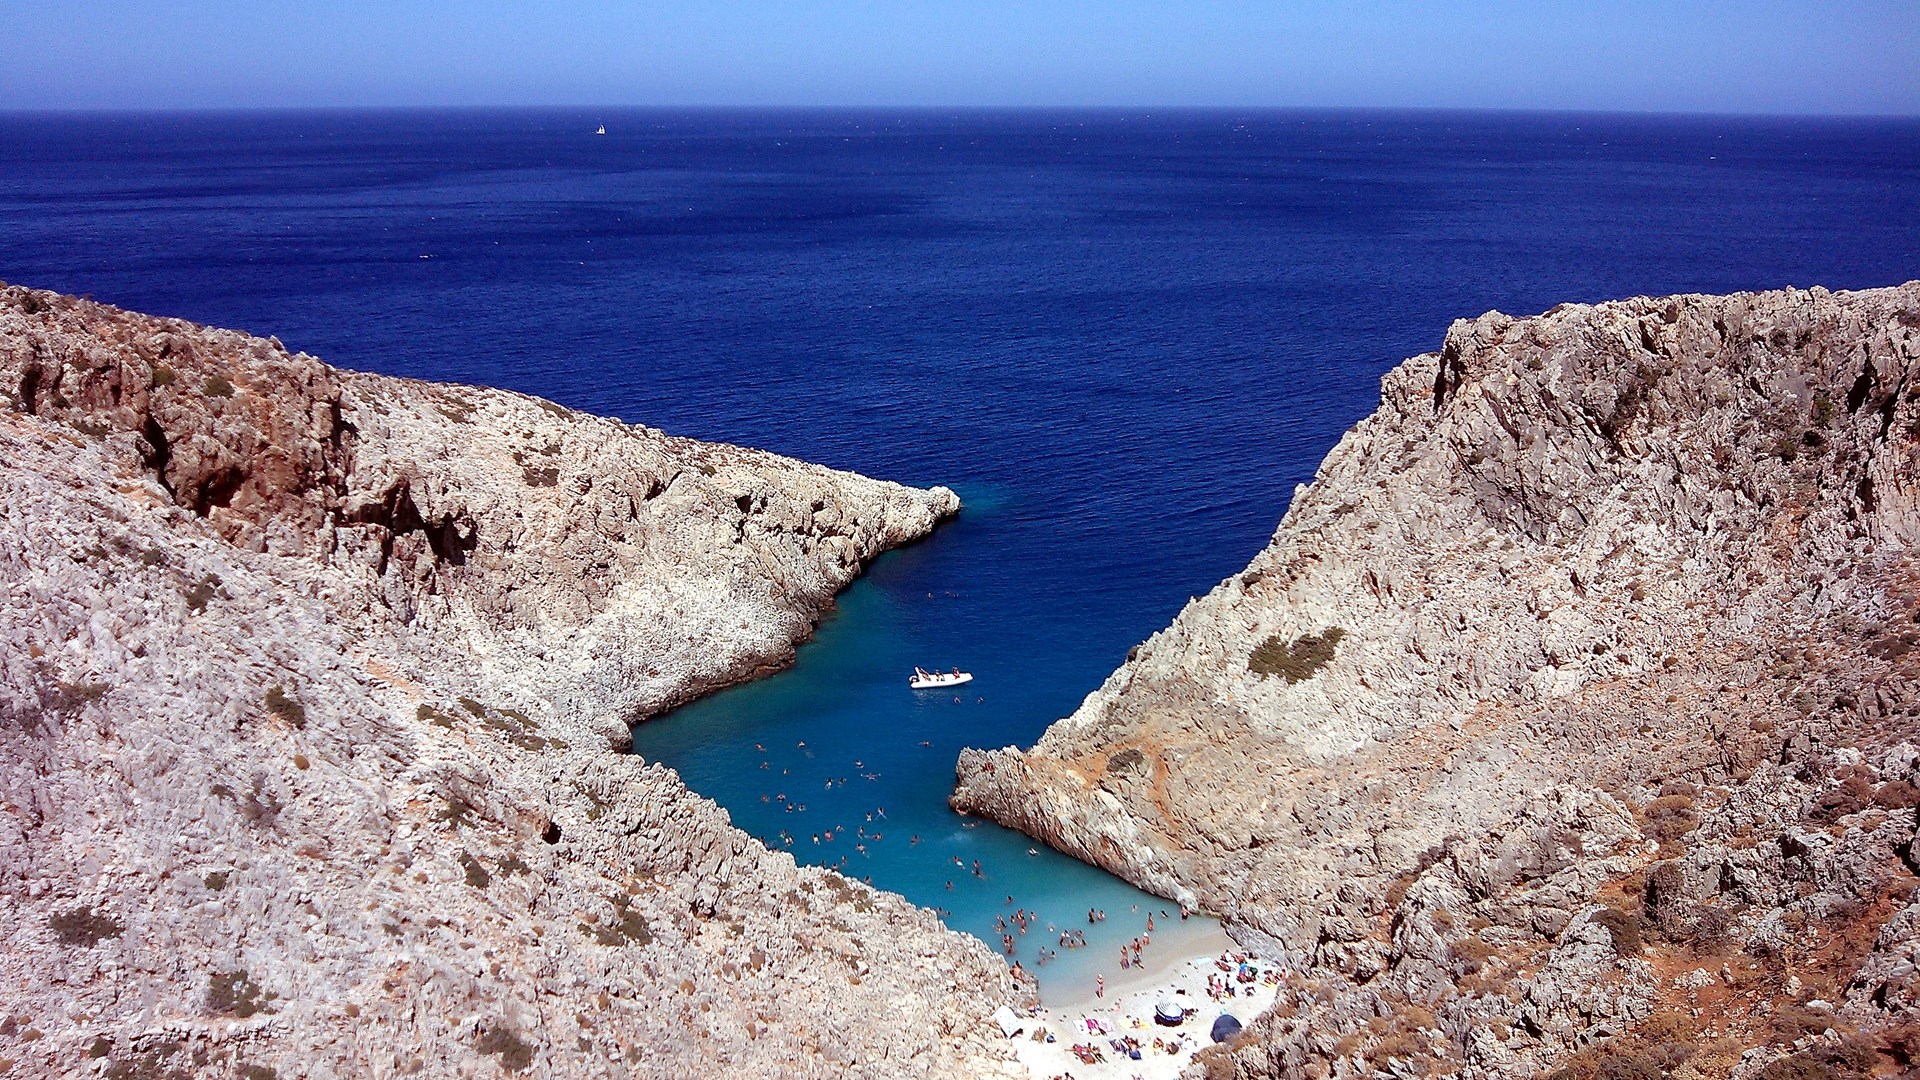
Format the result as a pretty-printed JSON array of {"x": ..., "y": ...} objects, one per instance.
[
  {"x": 1625, "y": 928},
  {"x": 1668, "y": 818},
  {"x": 1469, "y": 954},
  {"x": 1298, "y": 660}
]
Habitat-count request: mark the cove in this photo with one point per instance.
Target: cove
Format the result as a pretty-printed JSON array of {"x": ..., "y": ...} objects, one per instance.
[{"x": 839, "y": 763}]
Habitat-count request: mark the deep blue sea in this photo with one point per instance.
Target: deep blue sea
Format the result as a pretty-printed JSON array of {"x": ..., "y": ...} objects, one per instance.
[{"x": 1123, "y": 337}]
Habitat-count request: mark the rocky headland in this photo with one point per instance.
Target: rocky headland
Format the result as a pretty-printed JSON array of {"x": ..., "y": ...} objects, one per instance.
[
  {"x": 1567, "y": 725},
  {"x": 310, "y": 699}
]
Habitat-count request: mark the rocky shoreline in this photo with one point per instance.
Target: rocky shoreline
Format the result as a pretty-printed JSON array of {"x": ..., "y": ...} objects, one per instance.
[
  {"x": 308, "y": 711},
  {"x": 1566, "y": 726}
]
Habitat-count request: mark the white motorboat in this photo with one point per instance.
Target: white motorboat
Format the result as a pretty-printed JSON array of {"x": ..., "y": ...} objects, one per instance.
[{"x": 938, "y": 680}]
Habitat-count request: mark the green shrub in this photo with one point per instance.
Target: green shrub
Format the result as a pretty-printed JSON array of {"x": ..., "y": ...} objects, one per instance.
[
  {"x": 217, "y": 386},
  {"x": 1298, "y": 660},
  {"x": 164, "y": 375}
]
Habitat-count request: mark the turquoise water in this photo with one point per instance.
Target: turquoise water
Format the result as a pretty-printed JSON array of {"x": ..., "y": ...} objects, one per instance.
[
  {"x": 1122, "y": 336},
  {"x": 840, "y": 763}
]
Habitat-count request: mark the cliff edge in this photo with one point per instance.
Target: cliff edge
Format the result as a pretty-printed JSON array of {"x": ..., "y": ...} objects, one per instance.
[
  {"x": 306, "y": 716},
  {"x": 1565, "y": 726}
]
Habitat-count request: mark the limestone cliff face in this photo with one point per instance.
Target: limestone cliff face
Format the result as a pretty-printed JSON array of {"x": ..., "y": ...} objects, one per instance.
[
  {"x": 1574, "y": 691},
  {"x": 306, "y": 699}
]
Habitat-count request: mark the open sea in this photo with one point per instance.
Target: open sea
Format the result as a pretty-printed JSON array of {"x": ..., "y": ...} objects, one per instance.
[{"x": 1122, "y": 336}]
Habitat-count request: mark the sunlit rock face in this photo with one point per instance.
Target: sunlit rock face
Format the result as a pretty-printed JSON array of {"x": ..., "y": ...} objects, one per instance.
[
  {"x": 308, "y": 703},
  {"x": 1564, "y": 723}
]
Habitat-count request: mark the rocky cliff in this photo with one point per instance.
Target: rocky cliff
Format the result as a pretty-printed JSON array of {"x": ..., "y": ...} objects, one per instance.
[
  {"x": 1565, "y": 725},
  {"x": 308, "y": 701}
]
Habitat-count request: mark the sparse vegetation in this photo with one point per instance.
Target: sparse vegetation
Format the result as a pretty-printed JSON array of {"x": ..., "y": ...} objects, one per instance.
[
  {"x": 1627, "y": 1058},
  {"x": 629, "y": 927},
  {"x": 67, "y": 696},
  {"x": 235, "y": 993},
  {"x": 477, "y": 875},
  {"x": 1669, "y": 817},
  {"x": 1470, "y": 954},
  {"x": 163, "y": 376},
  {"x": 286, "y": 708},
  {"x": 1298, "y": 660},
  {"x": 1625, "y": 928},
  {"x": 457, "y": 409},
  {"x": 200, "y": 595},
  {"x": 1852, "y": 1058},
  {"x": 84, "y": 926},
  {"x": 454, "y": 811},
  {"x": 259, "y": 806},
  {"x": 217, "y": 386},
  {"x": 1127, "y": 760},
  {"x": 499, "y": 1039}
]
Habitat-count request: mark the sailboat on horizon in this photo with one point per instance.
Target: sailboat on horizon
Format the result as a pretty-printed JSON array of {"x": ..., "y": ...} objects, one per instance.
[{"x": 602, "y": 131}]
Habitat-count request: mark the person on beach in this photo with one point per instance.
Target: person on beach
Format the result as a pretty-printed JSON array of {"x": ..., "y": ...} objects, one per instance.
[{"x": 1099, "y": 986}]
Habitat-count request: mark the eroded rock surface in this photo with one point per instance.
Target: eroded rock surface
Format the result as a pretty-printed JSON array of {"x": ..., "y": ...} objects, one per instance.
[
  {"x": 1566, "y": 722},
  {"x": 306, "y": 703}
]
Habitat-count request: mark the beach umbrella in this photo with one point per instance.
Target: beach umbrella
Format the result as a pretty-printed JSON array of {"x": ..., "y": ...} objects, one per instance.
[
  {"x": 1167, "y": 1013},
  {"x": 1226, "y": 1027}
]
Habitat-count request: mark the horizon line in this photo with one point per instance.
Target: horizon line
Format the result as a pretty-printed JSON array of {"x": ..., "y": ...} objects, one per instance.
[{"x": 165, "y": 110}]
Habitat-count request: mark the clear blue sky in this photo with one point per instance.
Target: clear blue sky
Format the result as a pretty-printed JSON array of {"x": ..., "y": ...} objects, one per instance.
[{"x": 1795, "y": 56}]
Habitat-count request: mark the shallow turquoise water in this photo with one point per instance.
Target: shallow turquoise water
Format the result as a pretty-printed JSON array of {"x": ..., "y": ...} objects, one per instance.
[
  {"x": 838, "y": 762},
  {"x": 1123, "y": 336}
]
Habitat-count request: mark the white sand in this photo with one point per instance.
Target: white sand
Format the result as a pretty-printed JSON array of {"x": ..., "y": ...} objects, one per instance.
[{"x": 1127, "y": 1009}]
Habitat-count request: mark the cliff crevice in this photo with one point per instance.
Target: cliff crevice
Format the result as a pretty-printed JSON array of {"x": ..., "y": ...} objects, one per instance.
[
  {"x": 1576, "y": 685},
  {"x": 305, "y": 709}
]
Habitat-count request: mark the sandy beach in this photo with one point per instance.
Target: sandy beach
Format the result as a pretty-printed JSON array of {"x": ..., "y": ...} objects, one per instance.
[{"x": 1127, "y": 1012}]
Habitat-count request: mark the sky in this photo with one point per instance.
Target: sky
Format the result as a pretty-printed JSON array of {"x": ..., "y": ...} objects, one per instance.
[{"x": 1757, "y": 56}]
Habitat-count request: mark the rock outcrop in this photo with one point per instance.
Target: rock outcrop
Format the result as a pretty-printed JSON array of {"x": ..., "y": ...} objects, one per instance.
[
  {"x": 1567, "y": 722},
  {"x": 308, "y": 702}
]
